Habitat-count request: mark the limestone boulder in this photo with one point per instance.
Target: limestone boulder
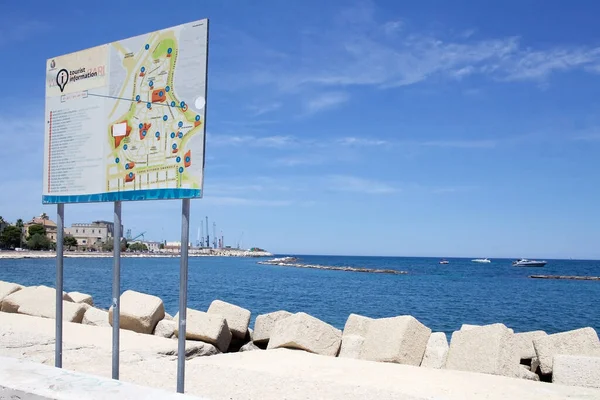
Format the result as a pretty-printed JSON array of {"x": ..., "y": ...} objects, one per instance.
[
  {"x": 165, "y": 328},
  {"x": 263, "y": 326},
  {"x": 237, "y": 318},
  {"x": 8, "y": 288},
  {"x": 72, "y": 312},
  {"x": 305, "y": 332},
  {"x": 95, "y": 317},
  {"x": 436, "y": 351},
  {"x": 466, "y": 327},
  {"x": 401, "y": 340},
  {"x": 31, "y": 294},
  {"x": 206, "y": 327},
  {"x": 576, "y": 370},
  {"x": 193, "y": 349},
  {"x": 523, "y": 372},
  {"x": 140, "y": 312},
  {"x": 249, "y": 347},
  {"x": 523, "y": 343},
  {"x": 81, "y": 298},
  {"x": 485, "y": 349},
  {"x": 353, "y": 335},
  {"x": 168, "y": 317},
  {"x": 578, "y": 342}
]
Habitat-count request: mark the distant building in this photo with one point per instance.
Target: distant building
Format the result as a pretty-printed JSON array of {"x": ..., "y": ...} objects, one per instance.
[
  {"x": 93, "y": 234},
  {"x": 174, "y": 247},
  {"x": 153, "y": 246},
  {"x": 47, "y": 223}
]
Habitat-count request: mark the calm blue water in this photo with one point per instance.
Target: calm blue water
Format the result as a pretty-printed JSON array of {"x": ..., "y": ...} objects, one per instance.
[{"x": 441, "y": 296}]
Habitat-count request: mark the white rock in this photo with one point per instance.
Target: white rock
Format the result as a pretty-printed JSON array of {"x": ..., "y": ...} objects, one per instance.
[
  {"x": 486, "y": 349},
  {"x": 165, "y": 328},
  {"x": 249, "y": 347},
  {"x": 353, "y": 335},
  {"x": 401, "y": 339},
  {"x": 39, "y": 294},
  {"x": 7, "y": 288},
  {"x": 95, "y": 317},
  {"x": 523, "y": 343},
  {"x": 238, "y": 318},
  {"x": 582, "y": 342},
  {"x": 305, "y": 332},
  {"x": 168, "y": 317},
  {"x": 208, "y": 328},
  {"x": 535, "y": 364},
  {"x": 576, "y": 371},
  {"x": 81, "y": 298},
  {"x": 523, "y": 372},
  {"x": 140, "y": 312},
  {"x": 466, "y": 327},
  {"x": 71, "y": 312},
  {"x": 436, "y": 351},
  {"x": 264, "y": 325}
]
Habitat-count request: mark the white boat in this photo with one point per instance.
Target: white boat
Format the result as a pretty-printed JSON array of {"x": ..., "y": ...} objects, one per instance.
[
  {"x": 523, "y": 262},
  {"x": 481, "y": 260},
  {"x": 444, "y": 262}
]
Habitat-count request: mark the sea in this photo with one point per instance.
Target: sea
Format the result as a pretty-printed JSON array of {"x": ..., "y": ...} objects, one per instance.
[{"x": 443, "y": 297}]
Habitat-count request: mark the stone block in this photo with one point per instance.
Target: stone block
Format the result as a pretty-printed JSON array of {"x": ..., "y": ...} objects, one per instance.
[
  {"x": 39, "y": 294},
  {"x": 576, "y": 370},
  {"x": 353, "y": 335},
  {"x": 582, "y": 342},
  {"x": 72, "y": 312},
  {"x": 523, "y": 343},
  {"x": 436, "y": 351},
  {"x": 485, "y": 349},
  {"x": 305, "y": 332},
  {"x": 249, "y": 347},
  {"x": 140, "y": 312},
  {"x": 237, "y": 318},
  {"x": 401, "y": 339},
  {"x": 264, "y": 325},
  {"x": 466, "y": 327},
  {"x": 96, "y": 317},
  {"x": 523, "y": 372},
  {"x": 168, "y": 317},
  {"x": 165, "y": 328},
  {"x": 8, "y": 288},
  {"x": 81, "y": 298},
  {"x": 206, "y": 327}
]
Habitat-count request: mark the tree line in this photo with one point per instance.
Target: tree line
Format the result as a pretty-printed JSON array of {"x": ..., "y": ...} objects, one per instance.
[{"x": 35, "y": 238}]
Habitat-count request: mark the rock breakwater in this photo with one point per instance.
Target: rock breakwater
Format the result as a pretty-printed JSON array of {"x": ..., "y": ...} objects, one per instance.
[
  {"x": 292, "y": 262},
  {"x": 493, "y": 349}
]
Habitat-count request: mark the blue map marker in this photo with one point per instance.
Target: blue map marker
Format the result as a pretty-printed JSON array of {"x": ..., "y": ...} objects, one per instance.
[
  {"x": 180, "y": 124},
  {"x": 181, "y": 170},
  {"x": 168, "y": 88},
  {"x": 124, "y": 147},
  {"x": 117, "y": 160},
  {"x": 165, "y": 118},
  {"x": 157, "y": 134},
  {"x": 178, "y": 159},
  {"x": 172, "y": 135},
  {"x": 147, "y": 47}
]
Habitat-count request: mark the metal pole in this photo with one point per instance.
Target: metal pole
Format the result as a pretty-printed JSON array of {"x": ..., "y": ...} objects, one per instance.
[
  {"x": 183, "y": 280},
  {"x": 116, "y": 292},
  {"x": 60, "y": 230}
]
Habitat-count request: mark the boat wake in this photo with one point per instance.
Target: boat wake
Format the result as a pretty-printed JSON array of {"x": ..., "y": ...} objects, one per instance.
[{"x": 293, "y": 262}]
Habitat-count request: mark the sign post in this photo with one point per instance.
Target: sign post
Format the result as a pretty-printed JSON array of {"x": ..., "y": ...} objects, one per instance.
[
  {"x": 60, "y": 224},
  {"x": 126, "y": 121},
  {"x": 116, "y": 289}
]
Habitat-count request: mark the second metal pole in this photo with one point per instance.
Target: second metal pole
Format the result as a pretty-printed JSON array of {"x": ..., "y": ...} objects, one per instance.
[
  {"x": 116, "y": 290},
  {"x": 60, "y": 230},
  {"x": 183, "y": 280}
]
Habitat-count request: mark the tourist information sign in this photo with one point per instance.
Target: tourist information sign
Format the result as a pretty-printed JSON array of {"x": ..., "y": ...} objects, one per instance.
[{"x": 125, "y": 121}]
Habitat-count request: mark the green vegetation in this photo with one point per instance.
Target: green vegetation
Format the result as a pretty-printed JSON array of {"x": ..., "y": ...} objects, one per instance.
[
  {"x": 69, "y": 241},
  {"x": 39, "y": 242},
  {"x": 138, "y": 247},
  {"x": 10, "y": 237},
  {"x": 37, "y": 229}
]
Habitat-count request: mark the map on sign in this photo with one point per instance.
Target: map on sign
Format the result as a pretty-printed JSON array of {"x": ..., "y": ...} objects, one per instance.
[{"x": 126, "y": 120}]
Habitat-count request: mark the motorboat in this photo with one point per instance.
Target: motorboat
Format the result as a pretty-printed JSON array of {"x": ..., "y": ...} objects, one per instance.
[
  {"x": 523, "y": 262},
  {"x": 481, "y": 260},
  {"x": 444, "y": 262}
]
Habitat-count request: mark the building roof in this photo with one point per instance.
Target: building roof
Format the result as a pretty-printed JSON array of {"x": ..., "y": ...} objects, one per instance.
[{"x": 40, "y": 221}]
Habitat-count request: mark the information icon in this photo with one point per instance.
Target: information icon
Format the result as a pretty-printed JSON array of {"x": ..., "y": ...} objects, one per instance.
[{"x": 62, "y": 78}]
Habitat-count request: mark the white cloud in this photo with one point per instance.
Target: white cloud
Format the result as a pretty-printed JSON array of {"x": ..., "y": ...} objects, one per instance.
[
  {"x": 465, "y": 144},
  {"x": 258, "y": 110},
  {"x": 353, "y": 141},
  {"x": 392, "y": 27},
  {"x": 347, "y": 183},
  {"x": 326, "y": 101},
  {"x": 251, "y": 141}
]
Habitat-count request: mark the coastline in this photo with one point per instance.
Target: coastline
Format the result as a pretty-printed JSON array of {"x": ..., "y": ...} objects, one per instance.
[{"x": 16, "y": 255}]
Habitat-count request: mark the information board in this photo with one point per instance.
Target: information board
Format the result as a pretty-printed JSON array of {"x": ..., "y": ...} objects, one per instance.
[{"x": 126, "y": 120}]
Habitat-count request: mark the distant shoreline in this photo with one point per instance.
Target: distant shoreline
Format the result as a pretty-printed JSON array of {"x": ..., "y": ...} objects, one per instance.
[{"x": 16, "y": 255}]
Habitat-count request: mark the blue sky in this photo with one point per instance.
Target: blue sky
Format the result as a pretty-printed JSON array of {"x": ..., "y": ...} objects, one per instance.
[{"x": 340, "y": 127}]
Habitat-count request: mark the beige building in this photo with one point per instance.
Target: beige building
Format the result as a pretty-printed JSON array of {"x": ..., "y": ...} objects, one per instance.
[
  {"x": 47, "y": 223},
  {"x": 93, "y": 234}
]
